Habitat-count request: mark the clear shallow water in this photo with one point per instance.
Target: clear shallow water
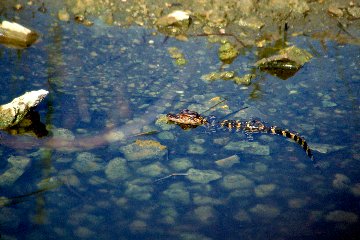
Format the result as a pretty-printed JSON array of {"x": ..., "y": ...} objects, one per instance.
[{"x": 105, "y": 79}]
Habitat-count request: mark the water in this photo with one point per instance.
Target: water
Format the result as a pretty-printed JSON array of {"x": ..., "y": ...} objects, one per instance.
[{"x": 105, "y": 80}]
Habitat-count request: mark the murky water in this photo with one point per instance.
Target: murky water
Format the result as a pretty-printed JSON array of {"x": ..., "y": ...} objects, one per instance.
[{"x": 107, "y": 81}]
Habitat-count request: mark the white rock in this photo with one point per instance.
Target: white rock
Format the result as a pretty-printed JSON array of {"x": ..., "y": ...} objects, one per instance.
[{"x": 12, "y": 113}]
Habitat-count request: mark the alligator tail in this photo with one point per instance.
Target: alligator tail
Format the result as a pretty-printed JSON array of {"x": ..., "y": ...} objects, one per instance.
[{"x": 299, "y": 140}]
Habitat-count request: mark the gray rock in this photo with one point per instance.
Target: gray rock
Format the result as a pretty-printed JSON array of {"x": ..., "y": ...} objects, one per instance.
[
  {"x": 177, "y": 193},
  {"x": 143, "y": 149},
  {"x": 18, "y": 165},
  {"x": 87, "y": 162},
  {"x": 341, "y": 216},
  {"x": 249, "y": 147},
  {"x": 202, "y": 176},
  {"x": 152, "y": 170},
  {"x": 180, "y": 164},
  {"x": 234, "y": 181},
  {"x": 117, "y": 169},
  {"x": 137, "y": 190},
  {"x": 228, "y": 162},
  {"x": 12, "y": 113},
  {"x": 266, "y": 211}
]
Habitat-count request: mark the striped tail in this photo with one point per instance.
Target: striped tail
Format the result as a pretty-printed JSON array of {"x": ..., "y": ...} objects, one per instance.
[{"x": 299, "y": 140}]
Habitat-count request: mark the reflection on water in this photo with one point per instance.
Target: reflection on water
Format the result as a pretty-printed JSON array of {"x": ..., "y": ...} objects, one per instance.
[{"x": 96, "y": 177}]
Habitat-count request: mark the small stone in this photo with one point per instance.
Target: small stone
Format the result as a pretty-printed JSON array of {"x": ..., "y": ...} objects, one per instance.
[
  {"x": 177, "y": 193},
  {"x": 63, "y": 15},
  {"x": 228, "y": 52},
  {"x": 4, "y": 201},
  {"x": 244, "y": 80},
  {"x": 327, "y": 103},
  {"x": 335, "y": 11},
  {"x": 205, "y": 200},
  {"x": 341, "y": 181},
  {"x": 139, "y": 191},
  {"x": 228, "y": 162},
  {"x": 196, "y": 149},
  {"x": 176, "y": 54},
  {"x": 252, "y": 23},
  {"x": 49, "y": 183},
  {"x": 117, "y": 169},
  {"x": 202, "y": 176},
  {"x": 356, "y": 189},
  {"x": 206, "y": 214},
  {"x": 266, "y": 211},
  {"x": 242, "y": 216},
  {"x": 233, "y": 181},
  {"x": 297, "y": 202},
  {"x": 83, "y": 232},
  {"x": 87, "y": 162},
  {"x": 326, "y": 148},
  {"x": 180, "y": 164},
  {"x": 138, "y": 226},
  {"x": 260, "y": 167},
  {"x": 152, "y": 170},
  {"x": 354, "y": 12},
  {"x": 18, "y": 7},
  {"x": 143, "y": 149},
  {"x": 17, "y": 167},
  {"x": 264, "y": 190},
  {"x": 166, "y": 135},
  {"x": 114, "y": 136},
  {"x": 341, "y": 216},
  {"x": 174, "y": 24},
  {"x": 63, "y": 134},
  {"x": 249, "y": 147}
]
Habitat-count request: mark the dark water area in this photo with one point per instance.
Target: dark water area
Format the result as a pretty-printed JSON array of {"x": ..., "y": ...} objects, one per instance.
[{"x": 107, "y": 84}]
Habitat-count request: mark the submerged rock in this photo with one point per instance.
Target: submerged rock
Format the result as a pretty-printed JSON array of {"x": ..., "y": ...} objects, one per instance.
[
  {"x": 143, "y": 149},
  {"x": 152, "y": 170},
  {"x": 49, "y": 183},
  {"x": 138, "y": 190},
  {"x": 234, "y": 181},
  {"x": 341, "y": 216},
  {"x": 326, "y": 148},
  {"x": 87, "y": 162},
  {"x": 249, "y": 147},
  {"x": 18, "y": 165},
  {"x": 341, "y": 181},
  {"x": 206, "y": 214},
  {"x": 264, "y": 190},
  {"x": 356, "y": 190},
  {"x": 229, "y": 75},
  {"x": 117, "y": 169},
  {"x": 177, "y": 193},
  {"x": 202, "y": 176},
  {"x": 4, "y": 201},
  {"x": 228, "y": 162},
  {"x": 177, "y": 55},
  {"x": 267, "y": 211},
  {"x": 180, "y": 164}
]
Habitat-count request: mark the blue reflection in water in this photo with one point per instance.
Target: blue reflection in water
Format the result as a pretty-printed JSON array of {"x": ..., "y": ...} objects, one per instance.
[{"x": 103, "y": 78}]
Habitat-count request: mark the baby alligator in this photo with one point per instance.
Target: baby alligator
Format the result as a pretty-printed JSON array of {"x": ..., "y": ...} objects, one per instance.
[{"x": 191, "y": 119}]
